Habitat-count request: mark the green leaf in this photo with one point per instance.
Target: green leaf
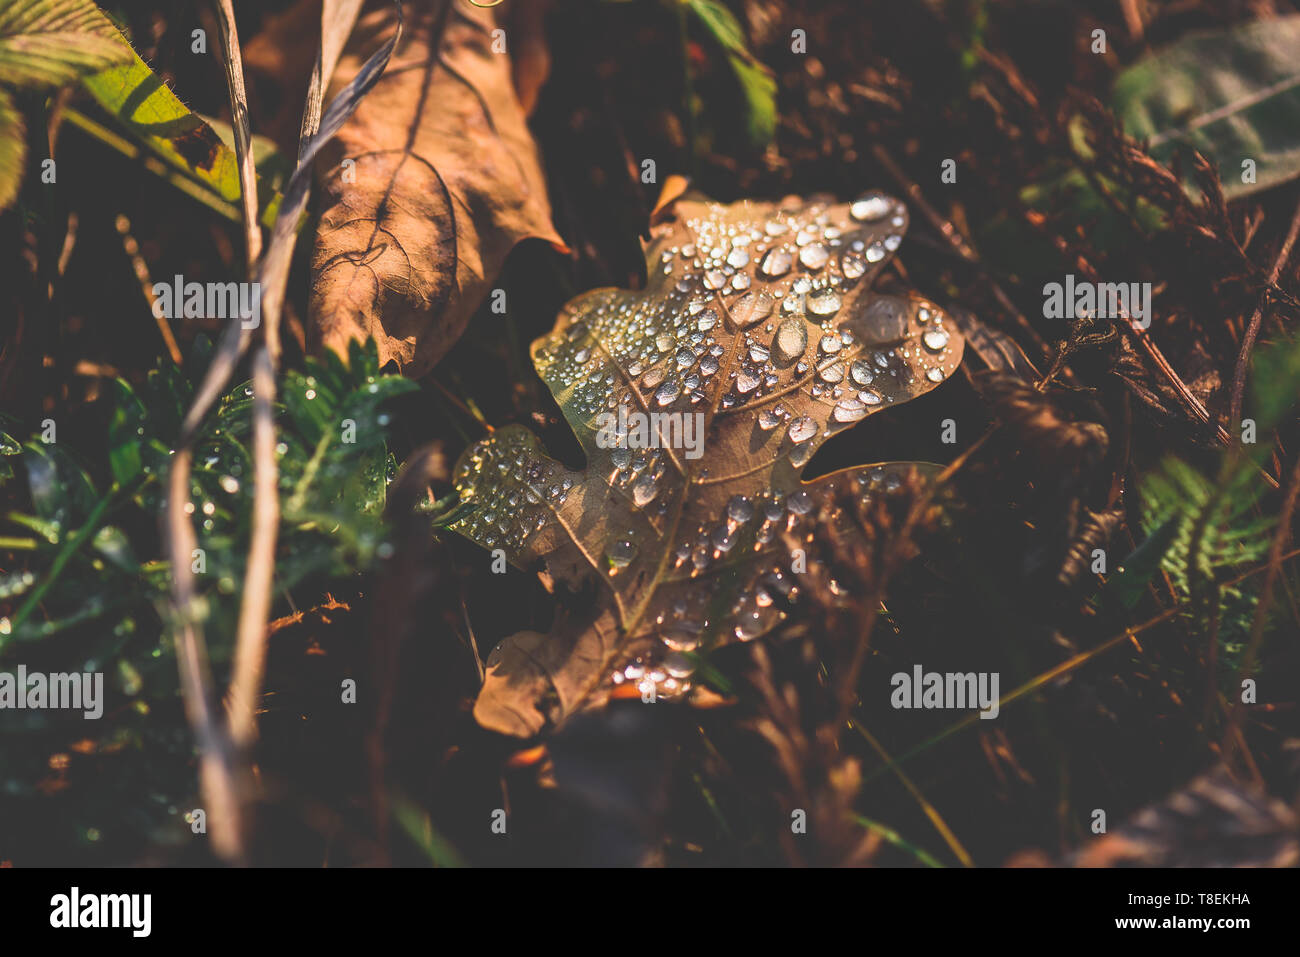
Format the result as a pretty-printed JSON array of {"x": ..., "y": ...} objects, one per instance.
[
  {"x": 52, "y": 42},
  {"x": 757, "y": 86},
  {"x": 1132, "y": 576},
  {"x": 125, "y": 428},
  {"x": 13, "y": 150},
  {"x": 270, "y": 163},
  {"x": 153, "y": 114},
  {"x": 62, "y": 492},
  {"x": 1232, "y": 94},
  {"x": 1275, "y": 382}
]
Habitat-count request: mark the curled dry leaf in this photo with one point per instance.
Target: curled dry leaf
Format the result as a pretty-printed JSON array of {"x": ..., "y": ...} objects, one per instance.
[
  {"x": 758, "y": 327},
  {"x": 428, "y": 188}
]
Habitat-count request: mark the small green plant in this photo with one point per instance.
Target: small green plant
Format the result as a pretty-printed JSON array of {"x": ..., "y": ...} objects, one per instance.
[{"x": 86, "y": 588}]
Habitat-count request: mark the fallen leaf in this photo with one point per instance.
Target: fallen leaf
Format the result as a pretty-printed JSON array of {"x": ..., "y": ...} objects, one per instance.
[
  {"x": 441, "y": 181},
  {"x": 1213, "y": 822},
  {"x": 760, "y": 318}
]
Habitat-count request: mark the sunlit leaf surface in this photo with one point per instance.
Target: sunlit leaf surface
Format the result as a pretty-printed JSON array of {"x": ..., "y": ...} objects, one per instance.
[{"x": 759, "y": 326}]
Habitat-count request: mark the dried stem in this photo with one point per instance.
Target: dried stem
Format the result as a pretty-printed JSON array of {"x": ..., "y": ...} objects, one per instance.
[
  {"x": 255, "y": 609},
  {"x": 1256, "y": 319},
  {"x": 234, "y": 64}
]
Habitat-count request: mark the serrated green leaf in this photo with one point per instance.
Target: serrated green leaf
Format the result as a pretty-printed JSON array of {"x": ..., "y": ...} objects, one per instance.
[
  {"x": 155, "y": 116},
  {"x": 46, "y": 43}
]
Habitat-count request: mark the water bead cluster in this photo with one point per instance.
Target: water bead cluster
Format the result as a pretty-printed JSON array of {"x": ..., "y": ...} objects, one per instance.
[{"x": 755, "y": 310}]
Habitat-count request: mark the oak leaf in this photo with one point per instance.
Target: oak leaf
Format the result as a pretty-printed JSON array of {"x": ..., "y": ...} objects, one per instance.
[
  {"x": 429, "y": 186},
  {"x": 758, "y": 325}
]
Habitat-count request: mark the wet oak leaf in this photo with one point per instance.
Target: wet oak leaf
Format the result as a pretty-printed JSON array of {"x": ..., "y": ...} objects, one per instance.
[
  {"x": 759, "y": 324},
  {"x": 428, "y": 187}
]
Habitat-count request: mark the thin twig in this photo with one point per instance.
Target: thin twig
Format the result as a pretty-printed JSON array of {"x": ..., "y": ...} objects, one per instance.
[
  {"x": 228, "y": 37},
  {"x": 219, "y": 763},
  {"x": 1256, "y": 320},
  {"x": 217, "y": 767},
  {"x": 1275, "y": 558},
  {"x": 220, "y": 767},
  {"x": 255, "y": 609},
  {"x": 255, "y": 606},
  {"x": 955, "y": 239}
]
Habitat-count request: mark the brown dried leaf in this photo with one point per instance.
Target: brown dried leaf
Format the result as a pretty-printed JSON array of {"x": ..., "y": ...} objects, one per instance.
[
  {"x": 1213, "y": 822},
  {"x": 760, "y": 318},
  {"x": 447, "y": 182}
]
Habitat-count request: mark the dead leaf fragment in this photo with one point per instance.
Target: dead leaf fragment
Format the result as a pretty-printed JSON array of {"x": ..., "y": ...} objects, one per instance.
[
  {"x": 1213, "y": 822},
  {"x": 427, "y": 188},
  {"x": 758, "y": 327}
]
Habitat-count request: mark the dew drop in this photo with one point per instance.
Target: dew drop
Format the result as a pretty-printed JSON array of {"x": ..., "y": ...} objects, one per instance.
[
  {"x": 678, "y": 665},
  {"x": 644, "y": 491},
  {"x": 814, "y": 256},
  {"x": 751, "y": 308},
  {"x": 682, "y": 637},
  {"x": 833, "y": 373},
  {"x": 776, "y": 263},
  {"x": 935, "y": 339},
  {"x": 801, "y": 429},
  {"x": 849, "y": 410},
  {"x": 853, "y": 265},
  {"x": 790, "y": 341},
  {"x": 740, "y": 509},
  {"x": 620, "y": 552},
  {"x": 870, "y": 208},
  {"x": 723, "y": 539},
  {"x": 824, "y": 303}
]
